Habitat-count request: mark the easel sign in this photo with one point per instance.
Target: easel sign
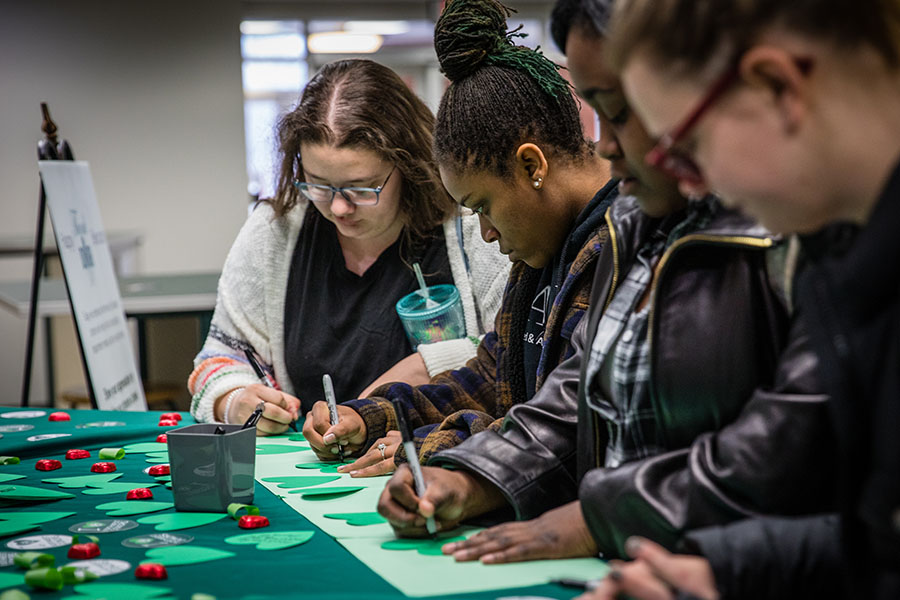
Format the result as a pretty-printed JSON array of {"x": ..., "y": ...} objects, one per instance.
[{"x": 91, "y": 282}]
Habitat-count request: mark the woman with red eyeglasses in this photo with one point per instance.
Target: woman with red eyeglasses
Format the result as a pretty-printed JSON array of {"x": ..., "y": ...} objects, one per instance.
[
  {"x": 688, "y": 375},
  {"x": 791, "y": 111}
]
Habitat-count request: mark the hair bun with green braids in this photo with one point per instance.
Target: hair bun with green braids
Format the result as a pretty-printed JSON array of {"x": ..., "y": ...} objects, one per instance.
[{"x": 467, "y": 33}]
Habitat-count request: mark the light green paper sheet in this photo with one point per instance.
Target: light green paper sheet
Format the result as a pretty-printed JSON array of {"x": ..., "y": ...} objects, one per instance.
[
  {"x": 418, "y": 575},
  {"x": 365, "y": 500}
]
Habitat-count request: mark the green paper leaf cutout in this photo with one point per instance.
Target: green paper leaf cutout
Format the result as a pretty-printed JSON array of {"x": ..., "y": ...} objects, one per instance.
[
  {"x": 124, "y": 508},
  {"x": 323, "y": 467},
  {"x": 98, "y": 590},
  {"x": 301, "y": 481},
  {"x": 146, "y": 447},
  {"x": 164, "y": 478},
  {"x": 267, "y": 449},
  {"x": 296, "y": 437},
  {"x": 29, "y": 493},
  {"x": 11, "y": 579},
  {"x": 272, "y": 540},
  {"x": 80, "y": 481},
  {"x": 116, "y": 487},
  {"x": 359, "y": 519},
  {"x": 176, "y": 521},
  {"x": 20, "y": 522},
  {"x": 10, "y": 477},
  {"x": 173, "y": 556},
  {"x": 425, "y": 546},
  {"x": 157, "y": 457},
  {"x": 327, "y": 493}
]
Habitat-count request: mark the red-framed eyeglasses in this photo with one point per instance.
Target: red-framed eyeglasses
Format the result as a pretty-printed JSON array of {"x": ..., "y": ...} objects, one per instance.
[{"x": 676, "y": 163}]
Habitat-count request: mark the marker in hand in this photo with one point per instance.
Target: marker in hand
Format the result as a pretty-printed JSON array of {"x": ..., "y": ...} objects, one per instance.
[
  {"x": 263, "y": 378},
  {"x": 412, "y": 458},
  {"x": 332, "y": 406}
]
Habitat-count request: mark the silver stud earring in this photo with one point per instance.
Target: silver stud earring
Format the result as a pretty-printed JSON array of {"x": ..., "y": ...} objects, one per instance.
[{"x": 537, "y": 183}]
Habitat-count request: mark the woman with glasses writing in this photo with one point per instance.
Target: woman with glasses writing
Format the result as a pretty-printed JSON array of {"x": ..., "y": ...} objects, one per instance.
[{"x": 310, "y": 284}]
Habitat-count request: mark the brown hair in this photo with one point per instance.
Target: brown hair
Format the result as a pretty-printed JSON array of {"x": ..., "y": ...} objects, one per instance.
[
  {"x": 362, "y": 104},
  {"x": 691, "y": 34}
]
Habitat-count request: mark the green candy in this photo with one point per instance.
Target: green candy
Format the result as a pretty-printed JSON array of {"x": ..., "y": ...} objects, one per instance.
[
  {"x": 9, "y": 460},
  {"x": 33, "y": 560},
  {"x": 235, "y": 507},
  {"x": 14, "y": 595},
  {"x": 47, "y": 578},
  {"x": 112, "y": 453},
  {"x": 73, "y": 575}
]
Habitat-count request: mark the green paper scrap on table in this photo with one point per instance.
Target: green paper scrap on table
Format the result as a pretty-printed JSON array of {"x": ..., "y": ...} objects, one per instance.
[
  {"x": 145, "y": 448},
  {"x": 327, "y": 493},
  {"x": 296, "y": 437},
  {"x": 117, "y": 591},
  {"x": 157, "y": 457},
  {"x": 124, "y": 508},
  {"x": 80, "y": 481},
  {"x": 21, "y": 521},
  {"x": 426, "y": 546},
  {"x": 301, "y": 481},
  {"x": 115, "y": 487},
  {"x": 176, "y": 521},
  {"x": 358, "y": 519},
  {"x": 10, "y": 477},
  {"x": 272, "y": 540},
  {"x": 416, "y": 574},
  {"x": 163, "y": 478},
  {"x": 266, "y": 449},
  {"x": 11, "y": 579},
  {"x": 27, "y": 493},
  {"x": 173, "y": 556},
  {"x": 323, "y": 467}
]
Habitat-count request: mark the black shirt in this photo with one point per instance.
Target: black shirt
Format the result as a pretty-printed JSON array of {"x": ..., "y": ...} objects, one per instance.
[{"x": 344, "y": 324}]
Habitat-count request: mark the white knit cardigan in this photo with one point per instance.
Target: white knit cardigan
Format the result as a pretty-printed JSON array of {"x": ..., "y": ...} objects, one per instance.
[{"x": 252, "y": 287}]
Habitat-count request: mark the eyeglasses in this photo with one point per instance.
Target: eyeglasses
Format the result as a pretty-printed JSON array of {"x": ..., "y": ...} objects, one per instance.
[
  {"x": 677, "y": 163},
  {"x": 359, "y": 196}
]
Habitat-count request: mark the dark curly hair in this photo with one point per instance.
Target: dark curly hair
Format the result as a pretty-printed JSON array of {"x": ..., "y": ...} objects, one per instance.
[
  {"x": 362, "y": 104},
  {"x": 501, "y": 95}
]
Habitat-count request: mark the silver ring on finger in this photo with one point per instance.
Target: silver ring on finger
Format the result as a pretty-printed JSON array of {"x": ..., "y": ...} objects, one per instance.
[{"x": 381, "y": 448}]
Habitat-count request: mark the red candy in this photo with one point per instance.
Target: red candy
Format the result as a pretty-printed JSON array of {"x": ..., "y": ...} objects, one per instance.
[
  {"x": 59, "y": 416},
  {"x": 253, "y": 522},
  {"x": 151, "y": 571},
  {"x": 48, "y": 464},
  {"x": 157, "y": 470},
  {"x": 139, "y": 494},
  {"x": 76, "y": 454},
  {"x": 84, "y": 551},
  {"x": 162, "y": 438},
  {"x": 168, "y": 422},
  {"x": 170, "y": 416},
  {"x": 103, "y": 467}
]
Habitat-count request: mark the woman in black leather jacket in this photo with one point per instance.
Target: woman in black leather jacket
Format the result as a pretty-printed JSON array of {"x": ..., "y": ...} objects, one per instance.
[{"x": 690, "y": 399}]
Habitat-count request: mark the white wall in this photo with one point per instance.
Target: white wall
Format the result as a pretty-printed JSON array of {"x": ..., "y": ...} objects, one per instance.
[{"x": 150, "y": 94}]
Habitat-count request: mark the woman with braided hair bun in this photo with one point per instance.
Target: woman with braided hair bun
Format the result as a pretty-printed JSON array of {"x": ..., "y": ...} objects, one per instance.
[{"x": 510, "y": 147}]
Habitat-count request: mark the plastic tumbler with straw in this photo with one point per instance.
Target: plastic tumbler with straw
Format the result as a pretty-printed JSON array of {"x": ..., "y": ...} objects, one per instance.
[{"x": 431, "y": 314}]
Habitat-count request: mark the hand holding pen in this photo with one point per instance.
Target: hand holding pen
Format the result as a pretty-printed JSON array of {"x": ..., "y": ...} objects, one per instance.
[
  {"x": 264, "y": 377},
  {"x": 279, "y": 411}
]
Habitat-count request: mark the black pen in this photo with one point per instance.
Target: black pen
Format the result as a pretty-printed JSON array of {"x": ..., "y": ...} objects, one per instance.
[
  {"x": 580, "y": 584},
  {"x": 263, "y": 378},
  {"x": 254, "y": 416},
  {"x": 412, "y": 458}
]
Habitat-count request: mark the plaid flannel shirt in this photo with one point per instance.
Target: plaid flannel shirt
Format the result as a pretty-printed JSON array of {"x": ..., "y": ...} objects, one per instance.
[{"x": 619, "y": 360}]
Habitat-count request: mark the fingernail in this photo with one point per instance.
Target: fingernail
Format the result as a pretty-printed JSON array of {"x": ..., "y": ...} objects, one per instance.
[
  {"x": 342, "y": 468},
  {"x": 353, "y": 473},
  {"x": 335, "y": 450},
  {"x": 344, "y": 442},
  {"x": 329, "y": 438},
  {"x": 615, "y": 575},
  {"x": 632, "y": 546}
]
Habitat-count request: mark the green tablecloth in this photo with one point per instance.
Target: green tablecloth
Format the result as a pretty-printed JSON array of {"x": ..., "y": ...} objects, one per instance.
[{"x": 320, "y": 568}]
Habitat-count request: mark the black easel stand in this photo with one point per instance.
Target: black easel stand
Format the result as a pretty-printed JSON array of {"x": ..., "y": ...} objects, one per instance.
[{"x": 48, "y": 149}]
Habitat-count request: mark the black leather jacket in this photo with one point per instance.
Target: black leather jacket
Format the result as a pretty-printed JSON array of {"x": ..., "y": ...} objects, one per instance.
[{"x": 734, "y": 390}]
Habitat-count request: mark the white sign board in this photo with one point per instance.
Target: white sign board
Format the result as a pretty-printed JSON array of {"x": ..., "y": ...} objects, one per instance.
[{"x": 93, "y": 289}]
